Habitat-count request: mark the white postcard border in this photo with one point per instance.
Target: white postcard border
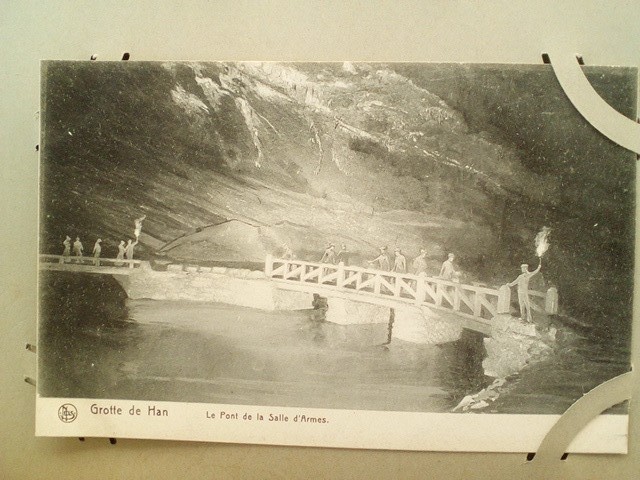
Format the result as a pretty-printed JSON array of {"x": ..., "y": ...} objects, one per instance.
[{"x": 358, "y": 429}]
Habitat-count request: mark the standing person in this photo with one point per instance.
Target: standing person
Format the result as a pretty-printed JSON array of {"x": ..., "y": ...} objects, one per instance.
[
  {"x": 129, "y": 250},
  {"x": 287, "y": 254},
  {"x": 121, "y": 251},
  {"x": 382, "y": 260},
  {"x": 329, "y": 255},
  {"x": 523, "y": 290},
  {"x": 400, "y": 262},
  {"x": 419, "y": 264},
  {"x": 96, "y": 252},
  {"x": 448, "y": 271},
  {"x": 67, "y": 249},
  {"x": 77, "y": 247},
  {"x": 343, "y": 255}
]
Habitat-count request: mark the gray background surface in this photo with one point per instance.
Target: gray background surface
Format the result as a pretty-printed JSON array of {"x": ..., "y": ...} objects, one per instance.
[{"x": 460, "y": 31}]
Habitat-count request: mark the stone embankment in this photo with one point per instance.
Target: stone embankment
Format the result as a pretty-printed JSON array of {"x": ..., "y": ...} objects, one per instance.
[
  {"x": 514, "y": 344},
  {"x": 233, "y": 286},
  {"x": 424, "y": 325}
]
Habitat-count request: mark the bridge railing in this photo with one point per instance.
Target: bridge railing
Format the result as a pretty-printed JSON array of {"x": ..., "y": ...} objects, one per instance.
[
  {"x": 468, "y": 300},
  {"x": 90, "y": 261},
  {"x": 546, "y": 302}
]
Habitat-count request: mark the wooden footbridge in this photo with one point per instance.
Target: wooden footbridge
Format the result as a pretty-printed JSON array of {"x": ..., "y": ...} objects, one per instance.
[
  {"x": 381, "y": 287},
  {"x": 354, "y": 283}
]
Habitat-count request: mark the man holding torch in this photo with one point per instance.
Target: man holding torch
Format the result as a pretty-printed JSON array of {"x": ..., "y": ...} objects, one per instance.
[
  {"x": 542, "y": 244},
  {"x": 523, "y": 290}
]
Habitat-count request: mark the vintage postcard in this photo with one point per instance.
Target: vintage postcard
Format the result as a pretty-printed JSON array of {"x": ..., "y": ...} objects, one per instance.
[{"x": 399, "y": 256}]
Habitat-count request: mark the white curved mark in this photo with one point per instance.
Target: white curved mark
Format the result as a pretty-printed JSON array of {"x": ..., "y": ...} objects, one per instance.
[
  {"x": 585, "y": 409},
  {"x": 611, "y": 123}
]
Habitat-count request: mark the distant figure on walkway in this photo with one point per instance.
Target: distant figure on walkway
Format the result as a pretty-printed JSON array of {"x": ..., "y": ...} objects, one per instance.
[
  {"x": 329, "y": 255},
  {"x": 96, "y": 252},
  {"x": 129, "y": 249},
  {"x": 67, "y": 249},
  {"x": 287, "y": 253},
  {"x": 121, "y": 251},
  {"x": 77, "y": 247},
  {"x": 419, "y": 264},
  {"x": 382, "y": 260},
  {"x": 523, "y": 290},
  {"x": 448, "y": 271},
  {"x": 400, "y": 262},
  {"x": 138, "y": 224},
  {"x": 343, "y": 255}
]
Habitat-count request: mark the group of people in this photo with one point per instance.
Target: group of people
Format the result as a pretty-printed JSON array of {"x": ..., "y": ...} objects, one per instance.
[
  {"x": 124, "y": 251},
  {"x": 331, "y": 256},
  {"x": 448, "y": 270},
  {"x": 396, "y": 264}
]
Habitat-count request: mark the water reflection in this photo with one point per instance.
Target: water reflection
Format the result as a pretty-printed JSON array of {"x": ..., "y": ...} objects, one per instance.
[
  {"x": 98, "y": 344},
  {"x": 95, "y": 343}
]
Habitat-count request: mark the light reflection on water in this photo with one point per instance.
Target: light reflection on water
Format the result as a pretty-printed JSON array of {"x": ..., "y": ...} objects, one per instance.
[
  {"x": 100, "y": 347},
  {"x": 94, "y": 343}
]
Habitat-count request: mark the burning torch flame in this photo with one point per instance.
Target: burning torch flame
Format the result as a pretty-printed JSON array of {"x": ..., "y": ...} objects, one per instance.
[
  {"x": 542, "y": 241},
  {"x": 138, "y": 224}
]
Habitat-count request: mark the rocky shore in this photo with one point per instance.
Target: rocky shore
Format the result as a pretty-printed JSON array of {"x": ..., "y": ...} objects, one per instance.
[{"x": 513, "y": 345}]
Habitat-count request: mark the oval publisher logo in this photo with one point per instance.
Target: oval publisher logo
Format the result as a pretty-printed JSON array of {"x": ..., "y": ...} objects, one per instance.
[{"x": 67, "y": 413}]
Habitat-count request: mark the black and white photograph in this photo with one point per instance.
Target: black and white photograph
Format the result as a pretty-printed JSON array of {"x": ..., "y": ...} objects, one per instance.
[{"x": 380, "y": 237}]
